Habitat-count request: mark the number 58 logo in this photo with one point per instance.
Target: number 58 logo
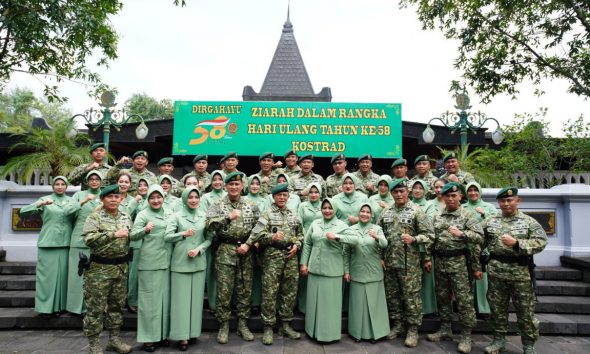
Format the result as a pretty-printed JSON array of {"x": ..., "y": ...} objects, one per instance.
[{"x": 214, "y": 128}]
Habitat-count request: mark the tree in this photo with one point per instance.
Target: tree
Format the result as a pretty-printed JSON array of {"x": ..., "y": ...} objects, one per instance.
[
  {"x": 55, "y": 38},
  {"x": 575, "y": 148},
  {"x": 503, "y": 42},
  {"x": 149, "y": 108}
]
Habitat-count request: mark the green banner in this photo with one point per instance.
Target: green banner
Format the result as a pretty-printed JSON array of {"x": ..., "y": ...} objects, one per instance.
[{"x": 322, "y": 129}]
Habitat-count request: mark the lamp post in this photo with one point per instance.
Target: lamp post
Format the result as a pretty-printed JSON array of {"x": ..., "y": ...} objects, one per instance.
[
  {"x": 463, "y": 122},
  {"x": 110, "y": 117}
]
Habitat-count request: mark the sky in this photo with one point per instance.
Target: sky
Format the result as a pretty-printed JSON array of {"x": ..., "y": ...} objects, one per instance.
[{"x": 365, "y": 51}]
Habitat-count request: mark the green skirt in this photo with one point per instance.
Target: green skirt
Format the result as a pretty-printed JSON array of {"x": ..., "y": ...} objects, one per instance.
[
  {"x": 186, "y": 304},
  {"x": 302, "y": 294},
  {"x": 323, "y": 311},
  {"x": 481, "y": 290},
  {"x": 75, "y": 303},
  {"x": 367, "y": 318},
  {"x": 153, "y": 308},
  {"x": 428, "y": 292},
  {"x": 51, "y": 279},
  {"x": 132, "y": 279}
]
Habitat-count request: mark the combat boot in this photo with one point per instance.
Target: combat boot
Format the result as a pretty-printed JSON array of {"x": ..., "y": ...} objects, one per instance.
[
  {"x": 288, "y": 331},
  {"x": 117, "y": 345},
  {"x": 412, "y": 336},
  {"x": 223, "y": 334},
  {"x": 496, "y": 346},
  {"x": 244, "y": 331},
  {"x": 444, "y": 332},
  {"x": 94, "y": 345},
  {"x": 528, "y": 347},
  {"x": 398, "y": 328},
  {"x": 464, "y": 345},
  {"x": 267, "y": 336}
]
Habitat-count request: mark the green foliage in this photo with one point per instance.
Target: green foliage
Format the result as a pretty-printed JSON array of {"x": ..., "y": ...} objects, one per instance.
[
  {"x": 53, "y": 39},
  {"x": 52, "y": 150},
  {"x": 149, "y": 108},
  {"x": 502, "y": 43},
  {"x": 19, "y": 106},
  {"x": 575, "y": 148}
]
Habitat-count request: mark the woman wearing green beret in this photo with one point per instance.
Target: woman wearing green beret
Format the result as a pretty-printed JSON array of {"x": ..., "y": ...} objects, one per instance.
[
  {"x": 322, "y": 262},
  {"x": 349, "y": 200},
  {"x": 186, "y": 230},
  {"x": 383, "y": 198},
  {"x": 51, "y": 277},
  {"x": 367, "y": 318},
  {"x": 86, "y": 202},
  {"x": 153, "y": 318}
]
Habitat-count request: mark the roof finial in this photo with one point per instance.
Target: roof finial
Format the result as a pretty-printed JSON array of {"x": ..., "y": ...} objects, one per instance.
[
  {"x": 288, "y": 10},
  {"x": 288, "y": 27}
]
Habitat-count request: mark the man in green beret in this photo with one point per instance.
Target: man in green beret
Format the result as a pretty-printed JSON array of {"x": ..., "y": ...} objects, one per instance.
[
  {"x": 230, "y": 163},
  {"x": 299, "y": 184},
  {"x": 267, "y": 175},
  {"x": 399, "y": 169},
  {"x": 368, "y": 179},
  {"x": 512, "y": 238},
  {"x": 291, "y": 168},
  {"x": 422, "y": 169},
  {"x": 166, "y": 167},
  {"x": 231, "y": 219},
  {"x": 406, "y": 227},
  {"x": 457, "y": 245},
  {"x": 106, "y": 233},
  {"x": 140, "y": 161},
  {"x": 200, "y": 163},
  {"x": 334, "y": 181},
  {"x": 280, "y": 234},
  {"x": 99, "y": 162},
  {"x": 453, "y": 170}
]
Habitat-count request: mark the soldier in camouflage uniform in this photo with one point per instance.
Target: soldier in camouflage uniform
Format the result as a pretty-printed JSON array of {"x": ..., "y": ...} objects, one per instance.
[
  {"x": 406, "y": 227},
  {"x": 453, "y": 170},
  {"x": 200, "y": 163},
  {"x": 229, "y": 162},
  {"x": 291, "y": 168},
  {"x": 368, "y": 179},
  {"x": 137, "y": 171},
  {"x": 422, "y": 167},
  {"x": 267, "y": 175},
  {"x": 457, "y": 233},
  {"x": 334, "y": 181},
  {"x": 299, "y": 183},
  {"x": 166, "y": 167},
  {"x": 399, "y": 169},
  {"x": 106, "y": 233},
  {"x": 512, "y": 239},
  {"x": 99, "y": 162},
  {"x": 232, "y": 219},
  {"x": 280, "y": 234}
]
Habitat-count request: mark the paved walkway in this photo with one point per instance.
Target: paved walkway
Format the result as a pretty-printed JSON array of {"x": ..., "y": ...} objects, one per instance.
[{"x": 65, "y": 342}]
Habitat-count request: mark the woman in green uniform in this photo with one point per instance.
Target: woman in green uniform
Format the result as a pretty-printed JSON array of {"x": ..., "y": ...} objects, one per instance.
[
  {"x": 481, "y": 210},
  {"x": 171, "y": 202},
  {"x": 51, "y": 277},
  {"x": 367, "y": 318},
  {"x": 86, "y": 202},
  {"x": 438, "y": 204},
  {"x": 153, "y": 318},
  {"x": 349, "y": 200},
  {"x": 383, "y": 198},
  {"x": 322, "y": 262},
  {"x": 186, "y": 230},
  {"x": 253, "y": 190}
]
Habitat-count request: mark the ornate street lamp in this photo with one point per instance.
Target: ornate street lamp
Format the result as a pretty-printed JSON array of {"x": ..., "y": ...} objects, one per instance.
[
  {"x": 463, "y": 122},
  {"x": 110, "y": 117}
]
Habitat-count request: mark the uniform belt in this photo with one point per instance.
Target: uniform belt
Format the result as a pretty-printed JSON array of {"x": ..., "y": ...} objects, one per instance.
[
  {"x": 450, "y": 253},
  {"x": 521, "y": 260},
  {"x": 281, "y": 246},
  {"x": 118, "y": 260},
  {"x": 231, "y": 241}
]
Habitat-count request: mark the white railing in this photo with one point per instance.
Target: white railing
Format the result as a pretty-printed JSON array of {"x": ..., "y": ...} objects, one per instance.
[
  {"x": 550, "y": 179},
  {"x": 39, "y": 178}
]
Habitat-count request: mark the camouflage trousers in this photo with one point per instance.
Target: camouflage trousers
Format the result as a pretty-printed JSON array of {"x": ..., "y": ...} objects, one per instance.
[
  {"x": 403, "y": 294},
  {"x": 230, "y": 276},
  {"x": 454, "y": 280},
  {"x": 279, "y": 276},
  {"x": 500, "y": 291},
  {"x": 105, "y": 286}
]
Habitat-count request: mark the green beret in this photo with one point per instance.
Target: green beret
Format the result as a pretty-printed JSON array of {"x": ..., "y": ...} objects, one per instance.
[
  {"x": 228, "y": 155},
  {"x": 364, "y": 157},
  {"x": 199, "y": 158},
  {"x": 507, "y": 192},
  {"x": 110, "y": 189},
  {"x": 283, "y": 187},
  {"x": 398, "y": 183},
  {"x": 306, "y": 157},
  {"x": 337, "y": 157},
  {"x": 421, "y": 158},
  {"x": 266, "y": 155},
  {"x": 290, "y": 152},
  {"x": 96, "y": 146},
  {"x": 450, "y": 155},
  {"x": 234, "y": 176},
  {"x": 139, "y": 153},
  {"x": 452, "y": 187},
  {"x": 399, "y": 162},
  {"x": 165, "y": 160}
]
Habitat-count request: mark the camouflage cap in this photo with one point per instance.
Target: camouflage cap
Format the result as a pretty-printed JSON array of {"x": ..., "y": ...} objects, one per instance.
[
  {"x": 96, "y": 146},
  {"x": 399, "y": 162},
  {"x": 421, "y": 158},
  {"x": 140, "y": 153},
  {"x": 199, "y": 158},
  {"x": 228, "y": 155},
  {"x": 507, "y": 192},
  {"x": 452, "y": 187},
  {"x": 283, "y": 187},
  {"x": 398, "y": 183},
  {"x": 110, "y": 189},
  {"x": 337, "y": 157},
  {"x": 165, "y": 160},
  {"x": 234, "y": 176},
  {"x": 266, "y": 155}
]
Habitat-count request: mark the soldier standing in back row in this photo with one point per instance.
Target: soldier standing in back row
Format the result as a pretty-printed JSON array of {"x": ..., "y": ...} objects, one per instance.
[
  {"x": 512, "y": 239},
  {"x": 368, "y": 179},
  {"x": 267, "y": 175},
  {"x": 166, "y": 167},
  {"x": 137, "y": 171},
  {"x": 453, "y": 170},
  {"x": 299, "y": 184},
  {"x": 422, "y": 167},
  {"x": 99, "y": 162},
  {"x": 200, "y": 163},
  {"x": 334, "y": 181}
]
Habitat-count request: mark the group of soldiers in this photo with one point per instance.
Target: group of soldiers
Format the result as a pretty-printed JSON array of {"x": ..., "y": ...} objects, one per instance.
[{"x": 453, "y": 238}]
